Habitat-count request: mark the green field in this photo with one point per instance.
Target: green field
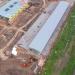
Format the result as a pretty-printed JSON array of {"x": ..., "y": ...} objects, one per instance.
[{"x": 61, "y": 46}]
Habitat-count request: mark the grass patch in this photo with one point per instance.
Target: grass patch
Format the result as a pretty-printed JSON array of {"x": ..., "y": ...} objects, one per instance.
[{"x": 70, "y": 67}]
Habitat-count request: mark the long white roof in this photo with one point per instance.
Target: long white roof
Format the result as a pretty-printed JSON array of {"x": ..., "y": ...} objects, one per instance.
[{"x": 43, "y": 36}]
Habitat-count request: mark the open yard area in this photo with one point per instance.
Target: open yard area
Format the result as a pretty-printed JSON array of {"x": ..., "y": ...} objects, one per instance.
[
  {"x": 61, "y": 61},
  {"x": 37, "y": 38}
]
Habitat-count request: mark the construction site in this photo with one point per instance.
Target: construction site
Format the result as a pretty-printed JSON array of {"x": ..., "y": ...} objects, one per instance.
[{"x": 28, "y": 30}]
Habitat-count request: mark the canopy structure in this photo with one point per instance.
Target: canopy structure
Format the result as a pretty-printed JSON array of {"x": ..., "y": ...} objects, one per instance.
[{"x": 43, "y": 36}]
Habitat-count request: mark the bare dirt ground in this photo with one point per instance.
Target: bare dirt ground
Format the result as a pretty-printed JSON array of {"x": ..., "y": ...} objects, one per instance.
[{"x": 9, "y": 35}]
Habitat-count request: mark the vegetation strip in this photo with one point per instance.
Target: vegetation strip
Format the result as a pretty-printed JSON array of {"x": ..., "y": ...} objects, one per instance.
[{"x": 70, "y": 67}]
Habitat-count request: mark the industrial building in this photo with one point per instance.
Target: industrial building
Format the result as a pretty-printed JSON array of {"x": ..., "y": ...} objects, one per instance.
[
  {"x": 12, "y": 8},
  {"x": 35, "y": 27},
  {"x": 41, "y": 39},
  {"x": 47, "y": 29}
]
